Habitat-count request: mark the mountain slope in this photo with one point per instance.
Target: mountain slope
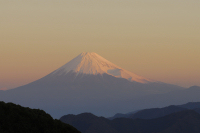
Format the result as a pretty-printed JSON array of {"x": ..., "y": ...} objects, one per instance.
[
  {"x": 17, "y": 119},
  {"x": 92, "y": 63},
  {"x": 190, "y": 105},
  {"x": 171, "y": 98},
  {"x": 180, "y": 122},
  {"x": 158, "y": 112},
  {"x": 89, "y": 123},
  {"x": 86, "y": 84}
]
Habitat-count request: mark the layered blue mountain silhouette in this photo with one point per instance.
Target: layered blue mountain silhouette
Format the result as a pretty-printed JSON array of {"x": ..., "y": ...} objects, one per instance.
[{"x": 90, "y": 83}]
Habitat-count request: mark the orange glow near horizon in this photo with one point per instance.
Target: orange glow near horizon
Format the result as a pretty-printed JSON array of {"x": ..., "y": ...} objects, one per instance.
[{"x": 155, "y": 39}]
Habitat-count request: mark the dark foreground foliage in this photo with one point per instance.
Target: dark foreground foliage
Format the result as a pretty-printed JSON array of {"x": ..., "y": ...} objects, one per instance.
[{"x": 17, "y": 119}]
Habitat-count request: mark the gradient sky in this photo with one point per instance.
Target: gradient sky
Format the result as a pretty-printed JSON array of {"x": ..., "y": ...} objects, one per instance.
[{"x": 157, "y": 39}]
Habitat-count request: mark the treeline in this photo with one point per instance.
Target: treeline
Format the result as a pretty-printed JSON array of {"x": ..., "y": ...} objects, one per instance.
[{"x": 15, "y": 118}]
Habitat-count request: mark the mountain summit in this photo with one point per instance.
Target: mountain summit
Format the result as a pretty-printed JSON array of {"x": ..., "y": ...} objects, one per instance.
[{"x": 94, "y": 64}]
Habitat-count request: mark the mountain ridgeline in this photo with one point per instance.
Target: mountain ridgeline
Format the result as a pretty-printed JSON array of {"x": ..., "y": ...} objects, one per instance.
[
  {"x": 90, "y": 83},
  {"x": 187, "y": 121},
  {"x": 17, "y": 119},
  {"x": 158, "y": 112},
  {"x": 172, "y": 119}
]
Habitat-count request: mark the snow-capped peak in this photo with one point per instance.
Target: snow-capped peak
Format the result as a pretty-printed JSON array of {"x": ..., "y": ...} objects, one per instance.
[{"x": 92, "y": 63}]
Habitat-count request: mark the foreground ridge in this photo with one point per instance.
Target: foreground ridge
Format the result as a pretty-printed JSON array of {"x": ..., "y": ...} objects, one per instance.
[{"x": 15, "y": 118}]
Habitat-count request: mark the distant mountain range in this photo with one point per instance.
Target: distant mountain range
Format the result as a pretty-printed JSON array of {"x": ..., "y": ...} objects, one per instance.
[
  {"x": 171, "y": 119},
  {"x": 158, "y": 112},
  {"x": 187, "y": 121},
  {"x": 90, "y": 83}
]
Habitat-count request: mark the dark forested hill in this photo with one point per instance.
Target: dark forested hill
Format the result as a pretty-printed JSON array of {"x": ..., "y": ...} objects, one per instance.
[
  {"x": 89, "y": 123},
  {"x": 187, "y": 121},
  {"x": 17, "y": 119}
]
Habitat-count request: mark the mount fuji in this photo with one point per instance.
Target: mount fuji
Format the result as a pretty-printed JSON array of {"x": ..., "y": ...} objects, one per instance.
[
  {"x": 88, "y": 83},
  {"x": 93, "y": 64}
]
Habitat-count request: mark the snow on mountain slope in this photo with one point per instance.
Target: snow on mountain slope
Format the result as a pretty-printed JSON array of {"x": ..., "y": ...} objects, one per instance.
[
  {"x": 92, "y": 63},
  {"x": 90, "y": 83}
]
